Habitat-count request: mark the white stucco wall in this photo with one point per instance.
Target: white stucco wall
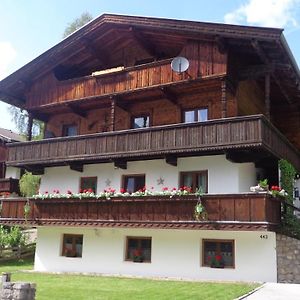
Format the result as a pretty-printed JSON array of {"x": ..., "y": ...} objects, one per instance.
[
  {"x": 12, "y": 172},
  {"x": 223, "y": 176},
  {"x": 175, "y": 253}
]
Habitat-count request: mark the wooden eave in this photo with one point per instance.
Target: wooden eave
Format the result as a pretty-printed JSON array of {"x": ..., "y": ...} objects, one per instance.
[{"x": 153, "y": 30}]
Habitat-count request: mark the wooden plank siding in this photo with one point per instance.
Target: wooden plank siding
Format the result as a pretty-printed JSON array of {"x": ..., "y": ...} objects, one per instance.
[
  {"x": 205, "y": 60},
  {"x": 9, "y": 185},
  {"x": 232, "y": 208},
  {"x": 250, "y": 132}
]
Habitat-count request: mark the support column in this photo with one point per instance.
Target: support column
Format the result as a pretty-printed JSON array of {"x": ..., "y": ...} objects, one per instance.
[
  {"x": 223, "y": 99},
  {"x": 29, "y": 127},
  {"x": 267, "y": 95},
  {"x": 112, "y": 114}
]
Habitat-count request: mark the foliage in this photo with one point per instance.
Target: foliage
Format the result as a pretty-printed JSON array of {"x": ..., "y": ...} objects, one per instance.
[
  {"x": 287, "y": 175},
  {"x": 216, "y": 261},
  {"x": 3, "y": 236},
  {"x": 20, "y": 118},
  {"x": 110, "y": 192},
  {"x": 77, "y": 23},
  {"x": 16, "y": 237},
  {"x": 26, "y": 210},
  {"x": 263, "y": 184},
  {"x": 29, "y": 184},
  {"x": 291, "y": 224}
]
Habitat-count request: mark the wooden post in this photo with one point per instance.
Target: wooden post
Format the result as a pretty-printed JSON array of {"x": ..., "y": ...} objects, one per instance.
[
  {"x": 267, "y": 95},
  {"x": 29, "y": 127},
  {"x": 112, "y": 114},
  {"x": 223, "y": 99}
]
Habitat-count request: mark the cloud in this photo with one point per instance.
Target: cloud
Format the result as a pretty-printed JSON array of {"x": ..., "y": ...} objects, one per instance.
[
  {"x": 268, "y": 13},
  {"x": 7, "y": 56}
]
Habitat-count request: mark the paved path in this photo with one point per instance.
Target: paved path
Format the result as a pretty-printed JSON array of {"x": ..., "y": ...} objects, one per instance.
[{"x": 276, "y": 291}]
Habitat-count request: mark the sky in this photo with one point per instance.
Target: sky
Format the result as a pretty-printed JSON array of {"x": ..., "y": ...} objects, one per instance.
[{"x": 30, "y": 27}]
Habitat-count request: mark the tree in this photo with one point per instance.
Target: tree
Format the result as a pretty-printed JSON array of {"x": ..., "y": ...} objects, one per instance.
[
  {"x": 29, "y": 184},
  {"x": 77, "y": 23},
  {"x": 20, "y": 118}
]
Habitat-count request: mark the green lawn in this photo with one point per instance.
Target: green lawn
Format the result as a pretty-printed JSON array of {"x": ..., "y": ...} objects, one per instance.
[{"x": 73, "y": 287}]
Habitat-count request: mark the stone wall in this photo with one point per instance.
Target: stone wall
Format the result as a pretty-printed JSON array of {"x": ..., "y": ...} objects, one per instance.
[
  {"x": 288, "y": 259},
  {"x": 16, "y": 290}
]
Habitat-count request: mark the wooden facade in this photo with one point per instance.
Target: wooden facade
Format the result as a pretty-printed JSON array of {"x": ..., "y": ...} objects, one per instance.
[
  {"x": 117, "y": 68},
  {"x": 234, "y": 212},
  {"x": 9, "y": 186},
  {"x": 252, "y": 133}
]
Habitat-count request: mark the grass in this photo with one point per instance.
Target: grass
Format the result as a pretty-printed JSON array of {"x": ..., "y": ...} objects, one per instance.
[{"x": 81, "y": 287}]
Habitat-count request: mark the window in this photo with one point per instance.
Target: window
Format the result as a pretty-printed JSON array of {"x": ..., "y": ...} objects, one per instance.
[
  {"x": 72, "y": 245},
  {"x": 195, "y": 180},
  {"x": 133, "y": 183},
  {"x": 140, "y": 121},
  {"x": 224, "y": 249},
  {"x": 88, "y": 184},
  {"x": 195, "y": 115},
  {"x": 69, "y": 130},
  {"x": 138, "y": 249}
]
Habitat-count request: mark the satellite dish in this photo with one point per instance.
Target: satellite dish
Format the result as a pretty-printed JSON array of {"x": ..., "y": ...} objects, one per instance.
[{"x": 180, "y": 64}]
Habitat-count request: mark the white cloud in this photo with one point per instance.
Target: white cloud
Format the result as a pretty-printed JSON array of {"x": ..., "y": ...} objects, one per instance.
[
  {"x": 269, "y": 13},
  {"x": 7, "y": 55}
]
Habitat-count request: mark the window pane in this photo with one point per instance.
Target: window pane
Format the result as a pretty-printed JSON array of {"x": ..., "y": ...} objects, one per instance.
[
  {"x": 87, "y": 183},
  {"x": 70, "y": 130},
  {"x": 72, "y": 246},
  {"x": 139, "y": 183},
  {"x": 138, "y": 249},
  {"x": 78, "y": 245},
  {"x": 201, "y": 182},
  {"x": 226, "y": 252},
  {"x": 188, "y": 180},
  {"x": 189, "y": 116},
  {"x": 130, "y": 188},
  {"x": 141, "y": 122},
  {"x": 134, "y": 183},
  {"x": 202, "y": 115},
  {"x": 210, "y": 250}
]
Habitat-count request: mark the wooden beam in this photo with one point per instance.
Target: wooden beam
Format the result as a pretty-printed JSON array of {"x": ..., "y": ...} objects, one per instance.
[
  {"x": 112, "y": 113},
  {"x": 97, "y": 53},
  {"x": 119, "y": 103},
  {"x": 222, "y": 45},
  {"x": 169, "y": 96},
  {"x": 255, "y": 44},
  {"x": 36, "y": 170},
  {"x": 76, "y": 110},
  {"x": 76, "y": 167},
  {"x": 171, "y": 160},
  {"x": 29, "y": 127},
  {"x": 40, "y": 116},
  {"x": 121, "y": 164},
  {"x": 267, "y": 96},
  {"x": 143, "y": 42},
  {"x": 223, "y": 99}
]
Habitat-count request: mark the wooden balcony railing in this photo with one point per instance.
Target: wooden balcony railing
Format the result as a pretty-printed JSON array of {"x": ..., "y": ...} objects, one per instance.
[
  {"x": 214, "y": 136},
  {"x": 9, "y": 185},
  {"x": 256, "y": 211}
]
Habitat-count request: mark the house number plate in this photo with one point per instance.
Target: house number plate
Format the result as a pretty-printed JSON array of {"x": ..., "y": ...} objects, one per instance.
[{"x": 264, "y": 236}]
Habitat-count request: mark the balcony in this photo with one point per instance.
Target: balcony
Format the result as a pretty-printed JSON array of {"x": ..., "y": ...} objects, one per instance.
[
  {"x": 9, "y": 185},
  {"x": 241, "y": 138},
  {"x": 232, "y": 212}
]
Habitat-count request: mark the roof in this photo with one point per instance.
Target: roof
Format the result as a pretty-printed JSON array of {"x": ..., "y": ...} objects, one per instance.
[
  {"x": 93, "y": 43},
  {"x": 10, "y": 136}
]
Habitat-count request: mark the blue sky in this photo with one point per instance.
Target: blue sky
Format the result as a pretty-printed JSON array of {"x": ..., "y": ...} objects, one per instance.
[{"x": 29, "y": 27}]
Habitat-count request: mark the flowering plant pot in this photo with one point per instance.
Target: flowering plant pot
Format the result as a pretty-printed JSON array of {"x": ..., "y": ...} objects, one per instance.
[
  {"x": 138, "y": 255},
  {"x": 216, "y": 261}
]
